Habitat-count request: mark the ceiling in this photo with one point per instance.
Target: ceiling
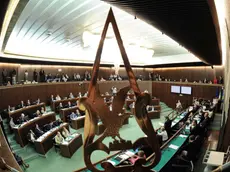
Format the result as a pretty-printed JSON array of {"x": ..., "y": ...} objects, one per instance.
[
  {"x": 192, "y": 23},
  {"x": 69, "y": 31}
]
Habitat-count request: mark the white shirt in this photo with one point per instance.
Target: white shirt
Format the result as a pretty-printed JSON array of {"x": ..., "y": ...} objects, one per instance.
[{"x": 164, "y": 135}]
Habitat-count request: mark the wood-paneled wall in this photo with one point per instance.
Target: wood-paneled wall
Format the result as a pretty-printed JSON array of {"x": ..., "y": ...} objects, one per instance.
[
  {"x": 162, "y": 90},
  {"x": 191, "y": 73},
  {"x": 12, "y": 95},
  {"x": 70, "y": 70}
]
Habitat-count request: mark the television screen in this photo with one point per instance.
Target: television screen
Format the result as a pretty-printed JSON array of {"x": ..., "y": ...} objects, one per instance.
[
  {"x": 186, "y": 90},
  {"x": 175, "y": 89}
]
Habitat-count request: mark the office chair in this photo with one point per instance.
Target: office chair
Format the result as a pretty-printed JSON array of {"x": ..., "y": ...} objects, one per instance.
[{"x": 187, "y": 163}]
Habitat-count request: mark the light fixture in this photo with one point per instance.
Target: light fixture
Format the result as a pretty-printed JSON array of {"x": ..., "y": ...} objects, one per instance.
[{"x": 49, "y": 33}]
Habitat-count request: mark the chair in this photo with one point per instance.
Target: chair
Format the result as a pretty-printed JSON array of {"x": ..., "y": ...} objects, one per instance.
[
  {"x": 187, "y": 163},
  {"x": 56, "y": 146}
]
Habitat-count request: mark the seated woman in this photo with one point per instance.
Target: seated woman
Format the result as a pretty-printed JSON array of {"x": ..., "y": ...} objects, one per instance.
[
  {"x": 65, "y": 133},
  {"x": 140, "y": 155},
  {"x": 58, "y": 138},
  {"x": 31, "y": 136}
]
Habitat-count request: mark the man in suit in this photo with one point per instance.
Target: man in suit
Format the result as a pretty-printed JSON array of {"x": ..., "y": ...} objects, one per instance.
[
  {"x": 38, "y": 131},
  {"x": 4, "y": 76},
  {"x": 167, "y": 125},
  {"x": 73, "y": 116},
  {"x": 194, "y": 128},
  {"x": 21, "y": 105},
  {"x": 22, "y": 118},
  {"x": 57, "y": 123}
]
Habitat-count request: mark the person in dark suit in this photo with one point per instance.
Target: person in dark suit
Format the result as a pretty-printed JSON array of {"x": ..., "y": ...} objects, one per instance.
[
  {"x": 167, "y": 125},
  {"x": 57, "y": 123},
  {"x": 47, "y": 127},
  {"x": 194, "y": 128},
  {"x": 22, "y": 118},
  {"x": 35, "y": 76},
  {"x": 21, "y": 105},
  {"x": 60, "y": 106},
  {"x": 38, "y": 132},
  {"x": 68, "y": 105},
  {"x": 190, "y": 150},
  {"x": 205, "y": 121},
  {"x": 4, "y": 76}
]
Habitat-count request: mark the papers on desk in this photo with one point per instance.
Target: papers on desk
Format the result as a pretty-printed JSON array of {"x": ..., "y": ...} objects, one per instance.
[
  {"x": 65, "y": 143},
  {"x": 112, "y": 162},
  {"x": 161, "y": 124},
  {"x": 173, "y": 123},
  {"x": 183, "y": 136},
  {"x": 129, "y": 153},
  {"x": 176, "y": 120},
  {"x": 173, "y": 146},
  {"x": 124, "y": 156}
]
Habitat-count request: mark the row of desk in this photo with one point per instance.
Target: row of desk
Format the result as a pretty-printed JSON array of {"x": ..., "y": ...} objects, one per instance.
[
  {"x": 22, "y": 130},
  {"x": 28, "y": 109},
  {"x": 54, "y": 104}
]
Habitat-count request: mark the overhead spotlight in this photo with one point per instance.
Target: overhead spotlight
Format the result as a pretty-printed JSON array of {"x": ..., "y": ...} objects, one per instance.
[
  {"x": 49, "y": 33},
  {"x": 68, "y": 40}
]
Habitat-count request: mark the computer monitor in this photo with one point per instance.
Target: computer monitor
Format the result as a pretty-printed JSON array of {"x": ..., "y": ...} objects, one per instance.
[
  {"x": 186, "y": 90},
  {"x": 175, "y": 89}
]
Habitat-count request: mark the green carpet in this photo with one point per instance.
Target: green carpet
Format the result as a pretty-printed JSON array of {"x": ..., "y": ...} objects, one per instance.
[{"x": 55, "y": 162}]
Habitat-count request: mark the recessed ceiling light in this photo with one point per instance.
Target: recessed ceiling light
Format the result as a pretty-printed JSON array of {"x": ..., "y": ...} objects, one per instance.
[{"x": 49, "y": 33}]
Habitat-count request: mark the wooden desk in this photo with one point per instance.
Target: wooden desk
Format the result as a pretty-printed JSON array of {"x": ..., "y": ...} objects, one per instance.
[
  {"x": 154, "y": 114},
  {"x": 78, "y": 123},
  {"x": 21, "y": 131},
  {"x": 6, "y": 154},
  {"x": 29, "y": 109},
  {"x": 69, "y": 148},
  {"x": 155, "y": 102},
  {"x": 55, "y": 104},
  {"x": 44, "y": 143},
  {"x": 67, "y": 111}
]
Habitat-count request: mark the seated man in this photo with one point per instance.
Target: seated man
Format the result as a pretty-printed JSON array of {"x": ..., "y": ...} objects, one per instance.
[
  {"x": 60, "y": 106},
  {"x": 21, "y": 105},
  {"x": 47, "y": 127},
  {"x": 71, "y": 96},
  {"x": 20, "y": 161},
  {"x": 57, "y": 123},
  {"x": 28, "y": 103},
  {"x": 194, "y": 128},
  {"x": 162, "y": 132},
  {"x": 38, "y": 132},
  {"x": 79, "y": 95},
  {"x": 205, "y": 122},
  {"x": 43, "y": 111},
  {"x": 31, "y": 136},
  {"x": 58, "y": 138},
  {"x": 73, "y": 116},
  {"x": 12, "y": 124},
  {"x": 65, "y": 133},
  {"x": 190, "y": 150},
  {"x": 68, "y": 105},
  {"x": 58, "y": 97},
  {"x": 52, "y": 98},
  {"x": 22, "y": 118}
]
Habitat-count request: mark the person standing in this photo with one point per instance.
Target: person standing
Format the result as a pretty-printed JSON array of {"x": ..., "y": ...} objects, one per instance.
[
  {"x": 35, "y": 76},
  {"x": 41, "y": 76},
  {"x": 26, "y": 75},
  {"x": 13, "y": 76},
  {"x": 4, "y": 76}
]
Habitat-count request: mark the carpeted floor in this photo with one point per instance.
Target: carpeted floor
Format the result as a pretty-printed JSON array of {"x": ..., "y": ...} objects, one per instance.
[{"x": 55, "y": 162}]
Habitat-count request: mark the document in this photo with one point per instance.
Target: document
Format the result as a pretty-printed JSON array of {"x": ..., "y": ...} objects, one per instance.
[
  {"x": 182, "y": 135},
  {"x": 173, "y": 146}
]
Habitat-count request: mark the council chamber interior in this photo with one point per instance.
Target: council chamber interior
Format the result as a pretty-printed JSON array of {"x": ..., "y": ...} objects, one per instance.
[{"x": 125, "y": 85}]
